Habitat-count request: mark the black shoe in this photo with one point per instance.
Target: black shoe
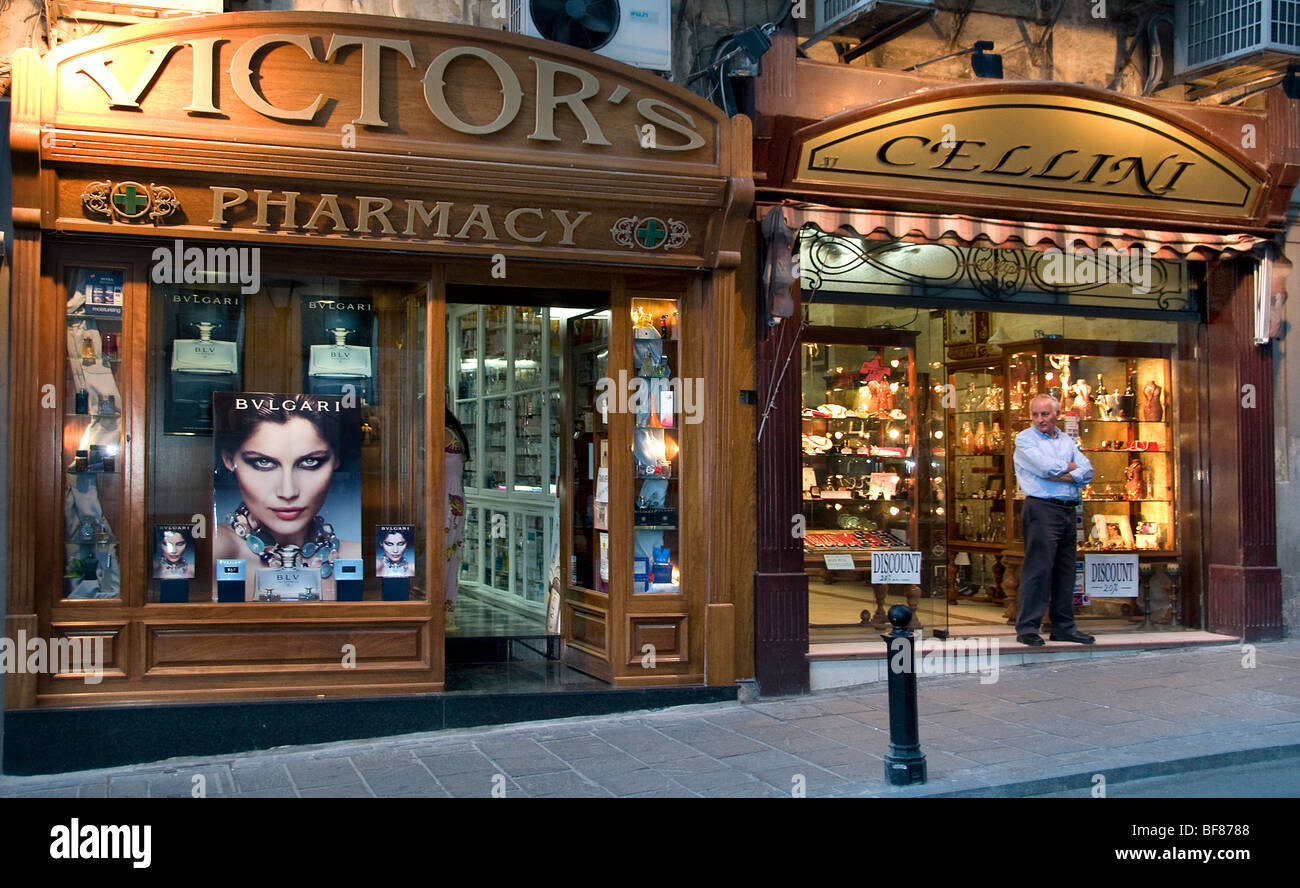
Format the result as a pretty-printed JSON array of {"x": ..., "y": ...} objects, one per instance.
[
  {"x": 1033, "y": 639},
  {"x": 1075, "y": 636}
]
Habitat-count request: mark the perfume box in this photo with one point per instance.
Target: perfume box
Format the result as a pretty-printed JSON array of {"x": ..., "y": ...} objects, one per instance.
[
  {"x": 288, "y": 584},
  {"x": 397, "y": 589},
  {"x": 174, "y": 591},
  {"x": 230, "y": 580},
  {"x": 348, "y": 579}
]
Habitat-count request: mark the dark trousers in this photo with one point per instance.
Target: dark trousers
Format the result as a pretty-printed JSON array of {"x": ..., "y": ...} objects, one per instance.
[{"x": 1048, "y": 572}]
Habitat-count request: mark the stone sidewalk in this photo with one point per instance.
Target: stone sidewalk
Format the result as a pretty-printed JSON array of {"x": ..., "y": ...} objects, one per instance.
[{"x": 1036, "y": 729}]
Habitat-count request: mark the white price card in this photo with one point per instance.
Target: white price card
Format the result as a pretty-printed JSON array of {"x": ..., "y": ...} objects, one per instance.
[
  {"x": 895, "y": 567},
  {"x": 839, "y": 562},
  {"x": 1110, "y": 576}
]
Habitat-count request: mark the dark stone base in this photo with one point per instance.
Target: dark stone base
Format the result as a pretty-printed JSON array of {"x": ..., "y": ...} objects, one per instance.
[{"x": 51, "y": 741}]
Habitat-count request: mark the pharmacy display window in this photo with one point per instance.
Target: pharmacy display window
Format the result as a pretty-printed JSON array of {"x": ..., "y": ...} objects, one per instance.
[{"x": 284, "y": 456}]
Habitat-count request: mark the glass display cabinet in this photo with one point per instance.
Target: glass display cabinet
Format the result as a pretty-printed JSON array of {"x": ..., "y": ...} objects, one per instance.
[
  {"x": 864, "y": 465},
  {"x": 506, "y": 363},
  {"x": 977, "y": 482},
  {"x": 589, "y": 456},
  {"x": 1115, "y": 400},
  {"x": 655, "y": 447},
  {"x": 628, "y": 540},
  {"x": 93, "y": 460}
]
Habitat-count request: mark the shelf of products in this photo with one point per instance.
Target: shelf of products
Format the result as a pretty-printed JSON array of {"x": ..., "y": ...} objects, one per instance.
[
  {"x": 1114, "y": 401},
  {"x": 657, "y": 484},
  {"x": 507, "y": 363},
  {"x": 588, "y": 347},
  {"x": 860, "y": 453},
  {"x": 92, "y": 434}
]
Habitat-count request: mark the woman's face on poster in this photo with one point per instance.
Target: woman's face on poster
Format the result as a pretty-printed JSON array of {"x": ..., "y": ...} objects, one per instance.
[
  {"x": 394, "y": 546},
  {"x": 173, "y": 547},
  {"x": 284, "y": 472}
]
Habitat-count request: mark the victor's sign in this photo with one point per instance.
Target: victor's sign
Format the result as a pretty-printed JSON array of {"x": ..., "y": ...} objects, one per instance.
[
  {"x": 1029, "y": 146},
  {"x": 303, "y": 128},
  {"x": 355, "y": 82}
]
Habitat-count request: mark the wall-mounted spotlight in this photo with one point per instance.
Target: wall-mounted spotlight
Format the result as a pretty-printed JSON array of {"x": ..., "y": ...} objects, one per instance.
[{"x": 984, "y": 63}]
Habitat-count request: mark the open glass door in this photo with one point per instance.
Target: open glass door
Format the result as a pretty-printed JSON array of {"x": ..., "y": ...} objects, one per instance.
[{"x": 586, "y": 619}]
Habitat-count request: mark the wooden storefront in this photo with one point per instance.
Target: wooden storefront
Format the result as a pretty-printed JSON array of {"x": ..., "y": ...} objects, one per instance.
[
  {"x": 989, "y": 165},
  {"x": 414, "y": 158}
]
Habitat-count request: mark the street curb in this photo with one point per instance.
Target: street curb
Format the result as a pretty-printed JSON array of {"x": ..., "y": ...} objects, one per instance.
[{"x": 1121, "y": 774}]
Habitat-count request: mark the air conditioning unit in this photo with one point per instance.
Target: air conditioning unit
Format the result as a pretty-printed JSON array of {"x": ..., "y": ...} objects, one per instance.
[
  {"x": 636, "y": 32},
  {"x": 1210, "y": 35},
  {"x": 873, "y": 21}
]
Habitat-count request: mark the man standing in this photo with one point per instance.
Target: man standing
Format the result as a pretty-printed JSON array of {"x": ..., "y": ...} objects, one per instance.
[{"x": 1050, "y": 469}]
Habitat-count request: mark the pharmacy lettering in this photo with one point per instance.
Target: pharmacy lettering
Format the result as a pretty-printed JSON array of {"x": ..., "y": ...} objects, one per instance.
[{"x": 410, "y": 218}]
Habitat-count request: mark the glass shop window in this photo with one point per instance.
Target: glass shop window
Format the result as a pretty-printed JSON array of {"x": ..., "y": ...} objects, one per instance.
[{"x": 286, "y": 441}]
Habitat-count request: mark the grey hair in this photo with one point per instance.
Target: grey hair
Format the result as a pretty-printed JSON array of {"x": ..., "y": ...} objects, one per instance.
[{"x": 1056, "y": 405}]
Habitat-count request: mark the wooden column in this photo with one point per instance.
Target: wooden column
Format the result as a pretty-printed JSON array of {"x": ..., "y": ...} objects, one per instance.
[
  {"x": 780, "y": 584},
  {"x": 1244, "y": 592},
  {"x": 25, "y": 406}
]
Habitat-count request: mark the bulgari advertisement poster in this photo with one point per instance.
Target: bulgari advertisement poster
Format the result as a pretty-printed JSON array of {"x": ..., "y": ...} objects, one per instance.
[
  {"x": 338, "y": 345},
  {"x": 286, "y": 490},
  {"x": 203, "y": 341},
  {"x": 395, "y": 550},
  {"x": 173, "y": 551}
]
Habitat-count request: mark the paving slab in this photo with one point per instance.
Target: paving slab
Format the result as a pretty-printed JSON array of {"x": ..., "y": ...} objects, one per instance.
[{"x": 1039, "y": 729}]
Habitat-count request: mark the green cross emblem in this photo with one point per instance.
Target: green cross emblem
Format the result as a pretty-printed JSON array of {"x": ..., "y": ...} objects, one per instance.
[
  {"x": 650, "y": 234},
  {"x": 130, "y": 201}
]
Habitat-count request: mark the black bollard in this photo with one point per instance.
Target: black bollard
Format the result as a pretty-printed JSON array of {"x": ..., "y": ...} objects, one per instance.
[{"x": 905, "y": 763}]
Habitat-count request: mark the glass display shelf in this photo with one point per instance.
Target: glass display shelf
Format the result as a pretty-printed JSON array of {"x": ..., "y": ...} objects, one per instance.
[
  {"x": 655, "y": 449},
  {"x": 92, "y": 456},
  {"x": 1114, "y": 401}
]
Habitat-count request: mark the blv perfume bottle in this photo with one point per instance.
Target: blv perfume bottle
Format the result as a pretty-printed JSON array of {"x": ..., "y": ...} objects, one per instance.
[
  {"x": 333, "y": 366},
  {"x": 203, "y": 366},
  {"x": 289, "y": 582}
]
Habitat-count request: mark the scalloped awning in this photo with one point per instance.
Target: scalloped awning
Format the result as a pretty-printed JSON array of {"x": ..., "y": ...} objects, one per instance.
[
  {"x": 961, "y": 230},
  {"x": 974, "y": 231}
]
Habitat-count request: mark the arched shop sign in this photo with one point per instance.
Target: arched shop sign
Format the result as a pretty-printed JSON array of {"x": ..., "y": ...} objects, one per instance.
[{"x": 1063, "y": 149}]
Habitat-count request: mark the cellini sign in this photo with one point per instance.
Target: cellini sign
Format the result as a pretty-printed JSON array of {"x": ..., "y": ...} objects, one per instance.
[{"x": 1029, "y": 146}]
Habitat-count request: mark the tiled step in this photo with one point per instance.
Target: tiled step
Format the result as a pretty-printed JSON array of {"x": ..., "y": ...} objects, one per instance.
[{"x": 846, "y": 664}]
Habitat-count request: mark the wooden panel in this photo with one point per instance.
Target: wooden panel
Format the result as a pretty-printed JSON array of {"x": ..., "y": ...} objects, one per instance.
[
  {"x": 1245, "y": 602},
  {"x": 781, "y": 632},
  {"x": 105, "y": 643},
  {"x": 20, "y": 686},
  {"x": 206, "y": 646},
  {"x": 720, "y": 661},
  {"x": 588, "y": 629},
  {"x": 621, "y": 482},
  {"x": 435, "y": 463},
  {"x": 667, "y": 635},
  {"x": 1241, "y": 598}
]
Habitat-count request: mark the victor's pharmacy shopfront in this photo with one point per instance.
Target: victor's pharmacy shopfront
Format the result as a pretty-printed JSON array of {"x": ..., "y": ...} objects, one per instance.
[{"x": 260, "y": 262}]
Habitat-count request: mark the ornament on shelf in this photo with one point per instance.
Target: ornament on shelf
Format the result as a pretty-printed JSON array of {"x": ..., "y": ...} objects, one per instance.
[{"x": 1152, "y": 407}]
